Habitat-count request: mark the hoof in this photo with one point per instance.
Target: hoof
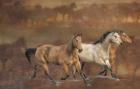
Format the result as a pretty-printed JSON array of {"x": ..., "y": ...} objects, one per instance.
[
  {"x": 58, "y": 83},
  {"x": 31, "y": 78},
  {"x": 117, "y": 79},
  {"x": 87, "y": 78},
  {"x": 63, "y": 78},
  {"x": 88, "y": 85},
  {"x": 76, "y": 80}
]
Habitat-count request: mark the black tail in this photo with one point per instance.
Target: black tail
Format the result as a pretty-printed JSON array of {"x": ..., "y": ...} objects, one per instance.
[{"x": 29, "y": 53}]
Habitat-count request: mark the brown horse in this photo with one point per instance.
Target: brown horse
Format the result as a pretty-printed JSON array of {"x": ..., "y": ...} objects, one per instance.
[
  {"x": 126, "y": 39},
  {"x": 113, "y": 49},
  {"x": 65, "y": 55}
]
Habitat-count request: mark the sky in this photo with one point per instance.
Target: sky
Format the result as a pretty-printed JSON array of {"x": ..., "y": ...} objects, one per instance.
[{"x": 80, "y": 3}]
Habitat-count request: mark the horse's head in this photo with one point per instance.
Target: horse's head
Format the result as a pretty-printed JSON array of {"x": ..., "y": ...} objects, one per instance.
[
  {"x": 125, "y": 37},
  {"x": 115, "y": 38},
  {"x": 77, "y": 42}
]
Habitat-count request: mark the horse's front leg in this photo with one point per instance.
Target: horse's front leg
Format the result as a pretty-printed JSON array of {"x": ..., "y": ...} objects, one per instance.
[
  {"x": 113, "y": 63},
  {"x": 78, "y": 68},
  {"x": 66, "y": 70},
  {"x": 74, "y": 70},
  {"x": 109, "y": 67},
  {"x": 112, "y": 74}
]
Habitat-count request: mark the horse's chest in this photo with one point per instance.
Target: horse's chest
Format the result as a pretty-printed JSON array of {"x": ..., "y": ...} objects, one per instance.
[{"x": 103, "y": 55}]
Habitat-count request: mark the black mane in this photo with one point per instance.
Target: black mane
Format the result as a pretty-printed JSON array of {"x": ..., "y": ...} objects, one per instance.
[{"x": 105, "y": 35}]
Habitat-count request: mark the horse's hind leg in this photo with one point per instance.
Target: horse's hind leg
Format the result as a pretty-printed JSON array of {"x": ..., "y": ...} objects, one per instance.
[
  {"x": 45, "y": 66},
  {"x": 35, "y": 71},
  {"x": 74, "y": 72},
  {"x": 82, "y": 67},
  {"x": 102, "y": 72},
  {"x": 65, "y": 66},
  {"x": 105, "y": 73}
]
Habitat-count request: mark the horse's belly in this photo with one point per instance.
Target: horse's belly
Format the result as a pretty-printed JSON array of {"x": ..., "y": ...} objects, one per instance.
[
  {"x": 86, "y": 57},
  {"x": 91, "y": 57}
]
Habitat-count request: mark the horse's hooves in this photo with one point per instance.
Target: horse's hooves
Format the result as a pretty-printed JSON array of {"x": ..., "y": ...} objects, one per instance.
[
  {"x": 63, "y": 78},
  {"x": 88, "y": 85},
  {"x": 58, "y": 83},
  {"x": 117, "y": 79},
  {"x": 87, "y": 78},
  {"x": 31, "y": 78}
]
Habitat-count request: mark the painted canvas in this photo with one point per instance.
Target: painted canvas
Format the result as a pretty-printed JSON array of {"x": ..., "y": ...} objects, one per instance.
[{"x": 96, "y": 43}]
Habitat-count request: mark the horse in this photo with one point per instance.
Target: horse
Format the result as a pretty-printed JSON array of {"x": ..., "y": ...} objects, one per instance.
[
  {"x": 98, "y": 52},
  {"x": 126, "y": 39},
  {"x": 65, "y": 55}
]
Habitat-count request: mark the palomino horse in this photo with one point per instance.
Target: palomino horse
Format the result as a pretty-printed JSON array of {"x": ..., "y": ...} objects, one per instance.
[
  {"x": 98, "y": 52},
  {"x": 65, "y": 55}
]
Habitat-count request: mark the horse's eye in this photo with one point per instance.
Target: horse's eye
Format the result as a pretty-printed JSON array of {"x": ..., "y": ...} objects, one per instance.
[
  {"x": 124, "y": 35},
  {"x": 115, "y": 36}
]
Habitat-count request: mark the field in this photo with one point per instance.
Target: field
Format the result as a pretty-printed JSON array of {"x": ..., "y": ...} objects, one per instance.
[
  {"x": 15, "y": 70},
  {"x": 26, "y": 27}
]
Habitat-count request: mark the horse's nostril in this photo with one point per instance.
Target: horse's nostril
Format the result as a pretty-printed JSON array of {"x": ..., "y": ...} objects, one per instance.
[{"x": 80, "y": 50}]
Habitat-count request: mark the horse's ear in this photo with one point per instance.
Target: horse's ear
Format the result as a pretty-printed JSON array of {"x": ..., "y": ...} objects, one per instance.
[
  {"x": 120, "y": 32},
  {"x": 77, "y": 34}
]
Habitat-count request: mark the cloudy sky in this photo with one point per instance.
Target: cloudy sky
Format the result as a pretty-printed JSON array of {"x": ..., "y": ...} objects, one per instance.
[{"x": 80, "y": 3}]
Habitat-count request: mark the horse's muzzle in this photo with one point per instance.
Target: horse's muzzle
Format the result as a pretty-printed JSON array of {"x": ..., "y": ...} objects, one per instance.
[{"x": 80, "y": 50}]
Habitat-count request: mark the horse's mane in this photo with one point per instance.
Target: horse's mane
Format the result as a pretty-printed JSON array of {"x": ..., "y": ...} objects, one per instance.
[
  {"x": 103, "y": 37},
  {"x": 70, "y": 44}
]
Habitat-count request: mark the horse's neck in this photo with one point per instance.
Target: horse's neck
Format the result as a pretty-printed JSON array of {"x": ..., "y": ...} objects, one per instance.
[
  {"x": 74, "y": 52},
  {"x": 70, "y": 50},
  {"x": 106, "y": 45}
]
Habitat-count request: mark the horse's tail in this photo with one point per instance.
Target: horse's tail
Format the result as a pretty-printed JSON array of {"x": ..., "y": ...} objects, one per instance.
[{"x": 29, "y": 53}]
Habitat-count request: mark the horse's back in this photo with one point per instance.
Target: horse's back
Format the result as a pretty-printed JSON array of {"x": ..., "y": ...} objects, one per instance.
[
  {"x": 92, "y": 53},
  {"x": 51, "y": 52}
]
